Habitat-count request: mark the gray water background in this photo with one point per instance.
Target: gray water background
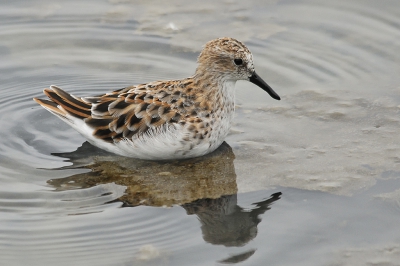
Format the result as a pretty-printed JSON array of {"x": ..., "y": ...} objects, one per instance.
[{"x": 331, "y": 145}]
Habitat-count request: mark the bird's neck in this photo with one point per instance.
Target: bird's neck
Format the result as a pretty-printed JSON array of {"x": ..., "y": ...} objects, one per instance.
[{"x": 214, "y": 87}]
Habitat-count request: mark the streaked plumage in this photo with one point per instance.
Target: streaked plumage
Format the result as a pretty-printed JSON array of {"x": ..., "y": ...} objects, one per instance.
[{"x": 164, "y": 119}]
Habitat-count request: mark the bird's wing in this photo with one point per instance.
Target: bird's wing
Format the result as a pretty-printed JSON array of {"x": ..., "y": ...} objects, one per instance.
[{"x": 129, "y": 112}]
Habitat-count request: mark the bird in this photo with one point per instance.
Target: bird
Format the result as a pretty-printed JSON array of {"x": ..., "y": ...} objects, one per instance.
[{"x": 164, "y": 120}]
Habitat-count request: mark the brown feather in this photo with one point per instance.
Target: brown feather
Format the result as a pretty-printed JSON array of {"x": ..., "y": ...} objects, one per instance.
[
  {"x": 129, "y": 111},
  {"x": 68, "y": 103}
]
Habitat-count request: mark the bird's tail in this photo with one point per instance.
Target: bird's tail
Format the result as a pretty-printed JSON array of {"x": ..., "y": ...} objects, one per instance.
[{"x": 63, "y": 104}]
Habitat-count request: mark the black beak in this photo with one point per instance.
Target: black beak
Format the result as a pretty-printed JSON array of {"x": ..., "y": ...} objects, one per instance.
[{"x": 263, "y": 85}]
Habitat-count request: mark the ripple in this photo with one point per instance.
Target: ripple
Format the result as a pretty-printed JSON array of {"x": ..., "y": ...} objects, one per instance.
[
  {"x": 335, "y": 130},
  {"x": 120, "y": 233},
  {"x": 331, "y": 42},
  {"x": 116, "y": 234},
  {"x": 33, "y": 128}
]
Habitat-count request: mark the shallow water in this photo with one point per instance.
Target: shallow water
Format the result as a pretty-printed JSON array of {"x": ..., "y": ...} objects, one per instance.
[{"x": 330, "y": 146}]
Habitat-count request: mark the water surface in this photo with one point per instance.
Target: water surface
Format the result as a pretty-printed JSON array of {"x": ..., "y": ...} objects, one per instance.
[{"x": 330, "y": 146}]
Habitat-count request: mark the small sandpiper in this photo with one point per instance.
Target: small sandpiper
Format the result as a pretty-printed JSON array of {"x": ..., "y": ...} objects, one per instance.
[{"x": 162, "y": 120}]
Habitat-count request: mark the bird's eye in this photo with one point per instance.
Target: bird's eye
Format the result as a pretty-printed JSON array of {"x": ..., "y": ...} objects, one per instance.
[{"x": 238, "y": 61}]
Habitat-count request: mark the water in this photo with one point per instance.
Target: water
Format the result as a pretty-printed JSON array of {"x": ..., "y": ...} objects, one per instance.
[{"x": 330, "y": 146}]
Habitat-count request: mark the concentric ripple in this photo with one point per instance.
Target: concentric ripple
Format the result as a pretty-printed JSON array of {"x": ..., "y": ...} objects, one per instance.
[{"x": 335, "y": 64}]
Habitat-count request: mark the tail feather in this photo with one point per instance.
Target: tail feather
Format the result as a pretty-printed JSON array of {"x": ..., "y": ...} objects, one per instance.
[
  {"x": 63, "y": 103},
  {"x": 51, "y": 106}
]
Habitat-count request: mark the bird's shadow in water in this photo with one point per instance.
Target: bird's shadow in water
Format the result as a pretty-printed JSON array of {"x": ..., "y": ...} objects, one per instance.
[{"x": 204, "y": 186}]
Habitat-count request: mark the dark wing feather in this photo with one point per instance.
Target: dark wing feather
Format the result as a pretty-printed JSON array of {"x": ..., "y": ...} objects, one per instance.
[
  {"x": 131, "y": 112},
  {"x": 126, "y": 112}
]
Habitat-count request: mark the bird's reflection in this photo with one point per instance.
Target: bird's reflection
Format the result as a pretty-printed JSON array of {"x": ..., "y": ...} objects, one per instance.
[
  {"x": 154, "y": 183},
  {"x": 223, "y": 222},
  {"x": 204, "y": 186}
]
